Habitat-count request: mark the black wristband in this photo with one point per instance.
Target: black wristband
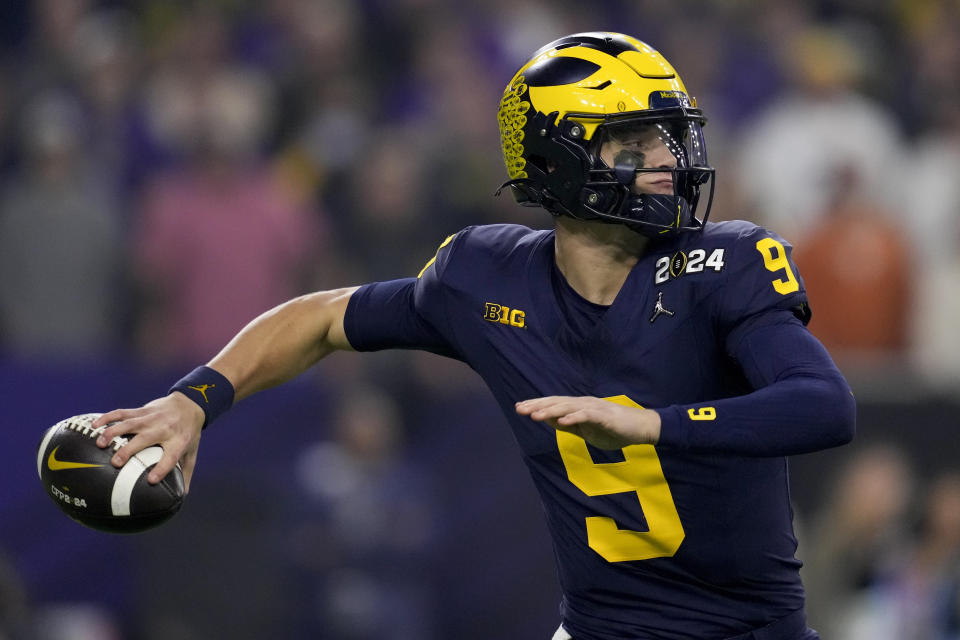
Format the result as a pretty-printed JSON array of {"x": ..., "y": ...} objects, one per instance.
[{"x": 209, "y": 389}]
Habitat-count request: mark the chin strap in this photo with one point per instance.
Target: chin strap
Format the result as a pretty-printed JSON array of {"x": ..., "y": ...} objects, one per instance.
[{"x": 663, "y": 215}]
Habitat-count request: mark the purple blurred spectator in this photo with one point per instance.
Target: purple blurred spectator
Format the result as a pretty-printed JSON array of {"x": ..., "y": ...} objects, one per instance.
[
  {"x": 361, "y": 529},
  {"x": 107, "y": 62}
]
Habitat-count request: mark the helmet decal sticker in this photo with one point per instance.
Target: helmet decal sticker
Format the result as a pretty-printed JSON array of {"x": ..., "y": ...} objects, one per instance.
[{"x": 512, "y": 118}]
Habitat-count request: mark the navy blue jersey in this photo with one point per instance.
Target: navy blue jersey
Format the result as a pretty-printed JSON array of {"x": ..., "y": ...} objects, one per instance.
[{"x": 692, "y": 538}]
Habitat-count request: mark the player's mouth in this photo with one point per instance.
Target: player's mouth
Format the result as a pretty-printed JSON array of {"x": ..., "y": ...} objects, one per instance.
[{"x": 658, "y": 185}]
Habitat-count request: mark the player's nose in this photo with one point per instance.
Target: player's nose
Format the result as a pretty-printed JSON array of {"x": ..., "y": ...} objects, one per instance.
[{"x": 661, "y": 158}]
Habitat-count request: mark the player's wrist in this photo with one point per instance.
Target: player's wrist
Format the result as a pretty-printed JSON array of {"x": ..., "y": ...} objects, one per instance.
[
  {"x": 652, "y": 429},
  {"x": 187, "y": 406},
  {"x": 208, "y": 389}
]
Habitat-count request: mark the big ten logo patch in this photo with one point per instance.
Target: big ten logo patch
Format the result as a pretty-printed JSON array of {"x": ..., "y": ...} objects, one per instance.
[{"x": 493, "y": 312}]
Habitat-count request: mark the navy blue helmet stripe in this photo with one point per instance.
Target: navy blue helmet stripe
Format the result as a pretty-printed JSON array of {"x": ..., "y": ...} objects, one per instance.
[
  {"x": 560, "y": 70},
  {"x": 611, "y": 44}
]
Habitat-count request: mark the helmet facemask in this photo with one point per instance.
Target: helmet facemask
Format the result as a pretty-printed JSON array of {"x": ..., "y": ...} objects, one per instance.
[
  {"x": 567, "y": 175},
  {"x": 647, "y": 172}
]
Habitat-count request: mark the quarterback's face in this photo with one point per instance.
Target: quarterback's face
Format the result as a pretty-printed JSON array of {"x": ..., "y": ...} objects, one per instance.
[{"x": 643, "y": 148}]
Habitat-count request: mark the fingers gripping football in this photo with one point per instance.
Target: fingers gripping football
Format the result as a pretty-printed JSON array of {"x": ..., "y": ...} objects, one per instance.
[
  {"x": 174, "y": 422},
  {"x": 604, "y": 424}
]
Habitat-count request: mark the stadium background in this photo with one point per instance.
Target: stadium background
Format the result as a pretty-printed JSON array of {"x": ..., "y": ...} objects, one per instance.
[{"x": 170, "y": 169}]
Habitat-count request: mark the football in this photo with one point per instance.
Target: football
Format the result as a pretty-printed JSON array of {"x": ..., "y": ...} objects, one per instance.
[{"x": 79, "y": 478}]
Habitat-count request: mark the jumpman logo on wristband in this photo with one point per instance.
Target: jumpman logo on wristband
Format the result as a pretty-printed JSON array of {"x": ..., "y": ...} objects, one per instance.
[{"x": 203, "y": 390}]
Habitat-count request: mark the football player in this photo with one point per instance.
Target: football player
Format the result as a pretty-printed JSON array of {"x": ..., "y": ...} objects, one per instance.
[{"x": 655, "y": 368}]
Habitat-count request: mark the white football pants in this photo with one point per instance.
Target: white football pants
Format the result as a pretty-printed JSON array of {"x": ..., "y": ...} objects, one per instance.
[{"x": 561, "y": 634}]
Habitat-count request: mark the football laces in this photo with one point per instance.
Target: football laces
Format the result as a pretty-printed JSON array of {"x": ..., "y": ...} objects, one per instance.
[{"x": 81, "y": 424}]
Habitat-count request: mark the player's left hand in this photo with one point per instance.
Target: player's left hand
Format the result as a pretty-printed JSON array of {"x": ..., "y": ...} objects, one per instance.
[{"x": 604, "y": 424}]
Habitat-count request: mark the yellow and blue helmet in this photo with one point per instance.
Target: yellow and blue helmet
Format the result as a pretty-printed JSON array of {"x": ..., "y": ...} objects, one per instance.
[{"x": 582, "y": 90}]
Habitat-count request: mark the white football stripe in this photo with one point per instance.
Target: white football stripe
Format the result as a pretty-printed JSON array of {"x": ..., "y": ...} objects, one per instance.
[
  {"x": 42, "y": 451},
  {"x": 128, "y": 476}
]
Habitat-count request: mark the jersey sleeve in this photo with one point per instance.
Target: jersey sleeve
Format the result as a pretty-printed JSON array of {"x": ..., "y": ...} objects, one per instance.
[
  {"x": 800, "y": 403},
  {"x": 409, "y": 313},
  {"x": 761, "y": 277}
]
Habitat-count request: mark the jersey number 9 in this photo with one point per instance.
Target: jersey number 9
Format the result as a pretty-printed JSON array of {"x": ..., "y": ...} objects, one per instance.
[
  {"x": 640, "y": 472},
  {"x": 775, "y": 259}
]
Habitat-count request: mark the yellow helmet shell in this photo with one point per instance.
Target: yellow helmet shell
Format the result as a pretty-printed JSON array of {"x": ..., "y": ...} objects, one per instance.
[{"x": 591, "y": 76}]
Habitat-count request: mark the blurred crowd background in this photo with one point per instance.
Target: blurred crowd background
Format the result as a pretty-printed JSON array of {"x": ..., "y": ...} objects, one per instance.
[{"x": 170, "y": 169}]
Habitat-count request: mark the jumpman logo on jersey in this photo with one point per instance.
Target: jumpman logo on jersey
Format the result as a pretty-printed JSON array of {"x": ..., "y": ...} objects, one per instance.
[
  {"x": 203, "y": 389},
  {"x": 659, "y": 309}
]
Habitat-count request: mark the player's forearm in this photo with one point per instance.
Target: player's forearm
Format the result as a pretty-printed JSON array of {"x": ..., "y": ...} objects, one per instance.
[
  {"x": 802, "y": 402},
  {"x": 284, "y": 342},
  {"x": 793, "y": 416}
]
